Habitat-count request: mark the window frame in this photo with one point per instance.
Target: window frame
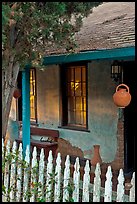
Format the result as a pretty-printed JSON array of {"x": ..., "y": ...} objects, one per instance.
[
  {"x": 35, "y": 100},
  {"x": 63, "y": 98}
]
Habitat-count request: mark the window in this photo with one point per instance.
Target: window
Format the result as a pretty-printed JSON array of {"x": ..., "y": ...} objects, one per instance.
[
  {"x": 33, "y": 99},
  {"x": 33, "y": 108},
  {"x": 74, "y": 96}
]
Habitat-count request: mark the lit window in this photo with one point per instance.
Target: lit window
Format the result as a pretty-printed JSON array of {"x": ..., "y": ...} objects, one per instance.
[
  {"x": 33, "y": 110},
  {"x": 74, "y": 96},
  {"x": 33, "y": 99}
]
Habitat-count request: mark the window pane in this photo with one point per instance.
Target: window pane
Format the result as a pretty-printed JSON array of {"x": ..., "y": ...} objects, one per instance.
[
  {"x": 84, "y": 117},
  {"x": 32, "y": 95},
  {"x": 84, "y": 74},
  {"x": 84, "y": 103},
  {"x": 70, "y": 75},
  {"x": 77, "y": 74},
  {"x": 78, "y": 118},
  {"x": 70, "y": 89},
  {"x": 71, "y": 117},
  {"x": 71, "y": 103},
  {"x": 77, "y": 89},
  {"x": 84, "y": 89},
  {"x": 78, "y": 103},
  {"x": 32, "y": 107}
]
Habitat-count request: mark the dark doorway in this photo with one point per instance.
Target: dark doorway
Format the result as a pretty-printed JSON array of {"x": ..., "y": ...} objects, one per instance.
[{"x": 130, "y": 117}]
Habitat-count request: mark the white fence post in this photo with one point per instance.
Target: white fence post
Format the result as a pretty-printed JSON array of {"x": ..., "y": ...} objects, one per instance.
[
  {"x": 34, "y": 169},
  {"x": 57, "y": 178},
  {"x": 66, "y": 180},
  {"x": 2, "y": 150},
  {"x": 13, "y": 172},
  {"x": 86, "y": 182},
  {"x": 132, "y": 190},
  {"x": 97, "y": 184},
  {"x": 120, "y": 187},
  {"x": 41, "y": 175},
  {"x": 108, "y": 186},
  {"x": 6, "y": 172},
  {"x": 26, "y": 175},
  {"x": 76, "y": 179},
  {"x": 49, "y": 184},
  {"x": 19, "y": 174},
  {"x": 3, "y": 159}
]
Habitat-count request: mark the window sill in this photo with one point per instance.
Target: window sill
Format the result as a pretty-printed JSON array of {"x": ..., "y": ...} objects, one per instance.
[
  {"x": 74, "y": 128},
  {"x": 31, "y": 123}
]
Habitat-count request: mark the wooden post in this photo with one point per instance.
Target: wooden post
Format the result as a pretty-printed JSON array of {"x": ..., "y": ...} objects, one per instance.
[{"x": 26, "y": 108}]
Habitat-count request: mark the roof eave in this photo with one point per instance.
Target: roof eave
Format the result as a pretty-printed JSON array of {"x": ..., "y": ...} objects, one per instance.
[{"x": 104, "y": 54}]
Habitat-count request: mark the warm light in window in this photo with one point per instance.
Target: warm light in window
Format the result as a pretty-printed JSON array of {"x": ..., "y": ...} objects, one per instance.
[
  {"x": 74, "y": 86},
  {"x": 75, "y": 97},
  {"x": 32, "y": 95}
]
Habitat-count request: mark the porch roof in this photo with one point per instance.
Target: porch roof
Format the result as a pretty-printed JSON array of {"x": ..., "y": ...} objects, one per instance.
[{"x": 127, "y": 53}]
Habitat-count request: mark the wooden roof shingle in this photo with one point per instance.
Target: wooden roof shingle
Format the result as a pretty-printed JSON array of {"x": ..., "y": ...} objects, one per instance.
[{"x": 110, "y": 25}]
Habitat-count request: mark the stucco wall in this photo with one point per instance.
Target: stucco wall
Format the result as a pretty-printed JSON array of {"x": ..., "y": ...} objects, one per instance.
[
  {"x": 102, "y": 113},
  {"x": 48, "y": 97}
]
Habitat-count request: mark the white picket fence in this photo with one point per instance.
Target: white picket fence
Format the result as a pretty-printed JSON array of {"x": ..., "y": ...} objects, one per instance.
[{"x": 35, "y": 180}]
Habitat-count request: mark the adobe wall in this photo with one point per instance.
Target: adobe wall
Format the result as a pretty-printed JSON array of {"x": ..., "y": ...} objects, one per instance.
[
  {"x": 104, "y": 125},
  {"x": 102, "y": 113}
]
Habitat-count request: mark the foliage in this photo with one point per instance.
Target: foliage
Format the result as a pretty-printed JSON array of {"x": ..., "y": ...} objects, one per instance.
[
  {"x": 28, "y": 27},
  {"x": 13, "y": 158}
]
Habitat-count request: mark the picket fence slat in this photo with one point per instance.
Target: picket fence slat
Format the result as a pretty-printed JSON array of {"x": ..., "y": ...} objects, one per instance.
[
  {"x": 2, "y": 149},
  {"x": 108, "y": 186},
  {"x": 85, "y": 197},
  {"x": 33, "y": 174},
  {"x": 13, "y": 172},
  {"x": 19, "y": 174},
  {"x": 57, "y": 178},
  {"x": 41, "y": 175},
  {"x": 66, "y": 179},
  {"x": 120, "y": 187},
  {"x": 3, "y": 159},
  {"x": 76, "y": 178},
  {"x": 26, "y": 175},
  {"x": 97, "y": 184},
  {"x": 33, "y": 180},
  {"x": 49, "y": 183},
  {"x": 132, "y": 190},
  {"x": 6, "y": 173}
]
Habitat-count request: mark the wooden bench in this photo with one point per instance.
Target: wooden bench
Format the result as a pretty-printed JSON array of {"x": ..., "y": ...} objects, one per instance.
[{"x": 51, "y": 143}]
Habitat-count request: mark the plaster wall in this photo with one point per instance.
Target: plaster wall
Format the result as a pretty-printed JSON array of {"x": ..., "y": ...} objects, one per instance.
[
  {"x": 48, "y": 97},
  {"x": 102, "y": 113}
]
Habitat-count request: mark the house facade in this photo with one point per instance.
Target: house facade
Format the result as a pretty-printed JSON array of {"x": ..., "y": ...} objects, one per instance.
[{"x": 73, "y": 93}]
